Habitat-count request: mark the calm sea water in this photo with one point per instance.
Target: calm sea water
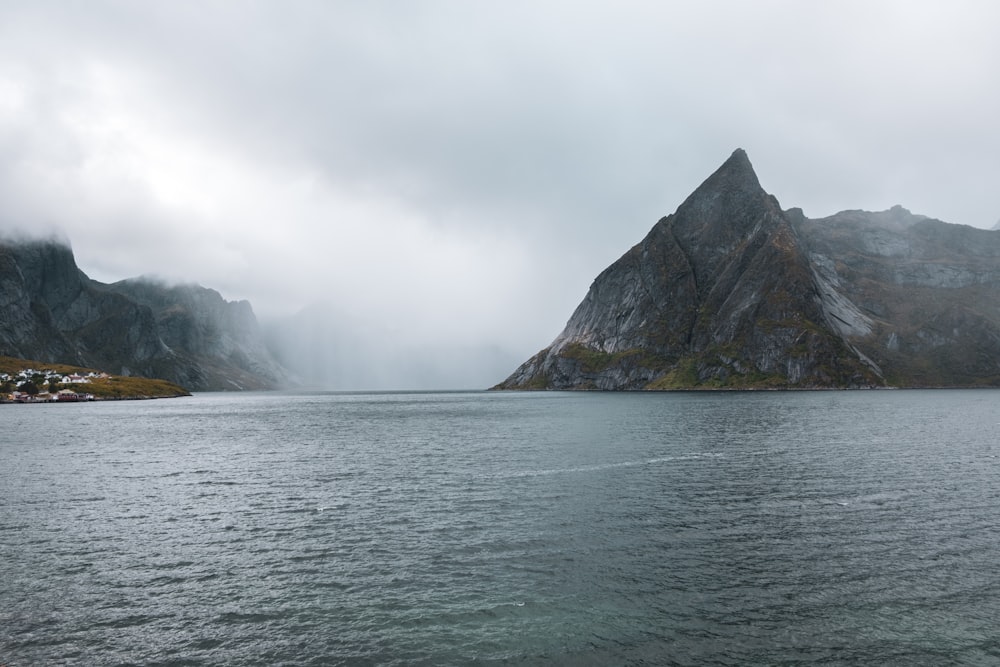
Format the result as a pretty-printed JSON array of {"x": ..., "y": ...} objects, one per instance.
[{"x": 855, "y": 528}]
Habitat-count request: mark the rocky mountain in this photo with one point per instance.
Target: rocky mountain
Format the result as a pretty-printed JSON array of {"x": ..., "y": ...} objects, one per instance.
[
  {"x": 731, "y": 291},
  {"x": 51, "y": 311}
]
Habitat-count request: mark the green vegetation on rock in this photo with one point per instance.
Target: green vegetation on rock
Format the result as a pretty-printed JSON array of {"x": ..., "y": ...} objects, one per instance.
[
  {"x": 112, "y": 387},
  {"x": 118, "y": 387}
]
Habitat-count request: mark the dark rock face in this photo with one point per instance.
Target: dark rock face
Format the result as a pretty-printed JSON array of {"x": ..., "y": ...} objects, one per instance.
[
  {"x": 51, "y": 311},
  {"x": 732, "y": 292},
  {"x": 219, "y": 340},
  {"x": 929, "y": 293}
]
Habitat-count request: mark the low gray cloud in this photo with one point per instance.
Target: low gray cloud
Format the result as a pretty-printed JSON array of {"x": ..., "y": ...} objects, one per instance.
[{"x": 454, "y": 174}]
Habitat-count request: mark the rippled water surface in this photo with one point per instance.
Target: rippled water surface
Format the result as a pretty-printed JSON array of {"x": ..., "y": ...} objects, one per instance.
[{"x": 541, "y": 528}]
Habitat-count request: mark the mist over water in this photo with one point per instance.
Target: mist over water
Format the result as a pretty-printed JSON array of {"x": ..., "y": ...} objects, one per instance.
[
  {"x": 551, "y": 528},
  {"x": 327, "y": 349}
]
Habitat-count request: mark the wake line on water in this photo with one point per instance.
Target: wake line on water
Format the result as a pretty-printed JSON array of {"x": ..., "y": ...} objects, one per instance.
[{"x": 608, "y": 466}]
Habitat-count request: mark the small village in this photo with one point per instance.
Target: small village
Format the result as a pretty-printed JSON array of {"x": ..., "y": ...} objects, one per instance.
[{"x": 45, "y": 386}]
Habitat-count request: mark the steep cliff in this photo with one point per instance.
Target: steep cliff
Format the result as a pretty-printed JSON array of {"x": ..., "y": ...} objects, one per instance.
[
  {"x": 51, "y": 311},
  {"x": 220, "y": 340},
  {"x": 732, "y": 292}
]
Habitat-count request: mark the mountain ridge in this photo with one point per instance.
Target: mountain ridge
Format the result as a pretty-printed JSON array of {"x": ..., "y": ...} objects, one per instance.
[
  {"x": 52, "y": 311},
  {"x": 731, "y": 291}
]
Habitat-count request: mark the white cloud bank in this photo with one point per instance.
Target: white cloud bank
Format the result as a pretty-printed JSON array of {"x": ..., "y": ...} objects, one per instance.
[{"x": 452, "y": 175}]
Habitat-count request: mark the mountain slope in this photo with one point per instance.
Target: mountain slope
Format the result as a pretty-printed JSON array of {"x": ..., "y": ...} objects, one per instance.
[
  {"x": 218, "y": 342},
  {"x": 732, "y": 292},
  {"x": 51, "y": 311},
  {"x": 930, "y": 292}
]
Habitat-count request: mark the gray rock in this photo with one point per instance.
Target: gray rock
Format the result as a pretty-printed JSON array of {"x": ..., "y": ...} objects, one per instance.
[
  {"x": 51, "y": 311},
  {"x": 732, "y": 292}
]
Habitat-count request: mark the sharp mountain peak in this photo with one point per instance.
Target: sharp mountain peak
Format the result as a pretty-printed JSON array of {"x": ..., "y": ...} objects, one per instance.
[
  {"x": 730, "y": 291},
  {"x": 735, "y": 175}
]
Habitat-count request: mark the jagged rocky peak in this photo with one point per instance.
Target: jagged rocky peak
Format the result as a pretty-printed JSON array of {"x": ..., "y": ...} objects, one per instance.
[
  {"x": 733, "y": 180},
  {"x": 717, "y": 292},
  {"x": 730, "y": 291},
  {"x": 725, "y": 203},
  {"x": 726, "y": 210}
]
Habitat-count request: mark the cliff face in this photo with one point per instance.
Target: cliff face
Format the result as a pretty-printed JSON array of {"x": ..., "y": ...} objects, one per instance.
[
  {"x": 730, "y": 292},
  {"x": 929, "y": 293},
  {"x": 219, "y": 341},
  {"x": 51, "y": 311}
]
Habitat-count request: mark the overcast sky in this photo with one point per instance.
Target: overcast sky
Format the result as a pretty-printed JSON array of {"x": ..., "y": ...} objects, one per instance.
[{"x": 457, "y": 173}]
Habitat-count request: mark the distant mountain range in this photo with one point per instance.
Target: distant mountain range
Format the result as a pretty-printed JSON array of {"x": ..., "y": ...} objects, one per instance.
[
  {"x": 50, "y": 311},
  {"x": 731, "y": 291}
]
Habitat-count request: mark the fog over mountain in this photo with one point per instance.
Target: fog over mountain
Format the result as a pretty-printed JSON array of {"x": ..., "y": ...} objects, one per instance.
[
  {"x": 449, "y": 177},
  {"x": 51, "y": 311}
]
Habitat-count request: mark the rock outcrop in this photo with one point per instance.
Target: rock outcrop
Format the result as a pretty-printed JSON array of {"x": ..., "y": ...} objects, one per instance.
[
  {"x": 51, "y": 311},
  {"x": 927, "y": 294},
  {"x": 731, "y": 291},
  {"x": 218, "y": 342}
]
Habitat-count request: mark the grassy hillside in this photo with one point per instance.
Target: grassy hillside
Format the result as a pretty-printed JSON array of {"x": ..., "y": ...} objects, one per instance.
[
  {"x": 11, "y": 365},
  {"x": 116, "y": 387},
  {"x": 113, "y": 387}
]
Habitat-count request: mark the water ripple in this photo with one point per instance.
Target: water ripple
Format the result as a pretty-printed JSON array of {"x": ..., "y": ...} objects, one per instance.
[{"x": 578, "y": 529}]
